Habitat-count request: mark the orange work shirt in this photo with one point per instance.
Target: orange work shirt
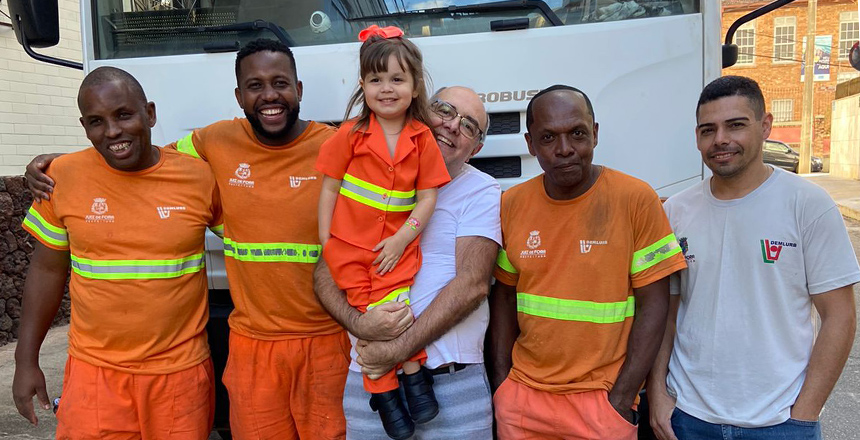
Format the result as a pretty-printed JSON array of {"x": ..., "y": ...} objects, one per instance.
[
  {"x": 138, "y": 284},
  {"x": 377, "y": 194},
  {"x": 575, "y": 264},
  {"x": 271, "y": 236}
]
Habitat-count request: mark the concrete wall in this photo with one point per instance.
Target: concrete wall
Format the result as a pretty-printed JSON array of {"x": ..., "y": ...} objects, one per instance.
[
  {"x": 845, "y": 138},
  {"x": 38, "y": 112}
]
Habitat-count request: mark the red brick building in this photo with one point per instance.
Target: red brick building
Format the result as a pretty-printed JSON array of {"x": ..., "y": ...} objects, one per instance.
[{"x": 771, "y": 52}]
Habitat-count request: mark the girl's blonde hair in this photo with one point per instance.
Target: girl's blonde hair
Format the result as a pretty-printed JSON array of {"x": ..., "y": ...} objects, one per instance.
[{"x": 373, "y": 58}]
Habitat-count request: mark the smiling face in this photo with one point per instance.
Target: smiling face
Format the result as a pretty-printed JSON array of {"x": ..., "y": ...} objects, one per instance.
[
  {"x": 730, "y": 136},
  {"x": 388, "y": 94},
  {"x": 457, "y": 148},
  {"x": 562, "y": 137},
  {"x": 269, "y": 94},
  {"x": 118, "y": 122}
]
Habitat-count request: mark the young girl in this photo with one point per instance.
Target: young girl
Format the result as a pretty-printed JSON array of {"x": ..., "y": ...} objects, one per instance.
[{"x": 381, "y": 173}]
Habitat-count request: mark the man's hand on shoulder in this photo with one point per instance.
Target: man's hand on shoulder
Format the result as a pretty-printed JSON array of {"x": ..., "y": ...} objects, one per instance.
[{"x": 40, "y": 185}]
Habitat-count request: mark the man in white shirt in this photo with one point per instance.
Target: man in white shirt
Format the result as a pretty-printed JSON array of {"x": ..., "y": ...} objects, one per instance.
[
  {"x": 459, "y": 248},
  {"x": 764, "y": 248}
]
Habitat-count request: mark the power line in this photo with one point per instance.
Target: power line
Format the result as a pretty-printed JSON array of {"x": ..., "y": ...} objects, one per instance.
[
  {"x": 791, "y": 59},
  {"x": 784, "y": 39}
]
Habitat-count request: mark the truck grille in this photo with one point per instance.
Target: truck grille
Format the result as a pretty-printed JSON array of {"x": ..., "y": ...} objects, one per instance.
[
  {"x": 499, "y": 167},
  {"x": 504, "y": 123}
]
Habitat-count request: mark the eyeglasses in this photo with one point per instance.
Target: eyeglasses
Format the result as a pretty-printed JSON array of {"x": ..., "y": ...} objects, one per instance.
[{"x": 469, "y": 127}]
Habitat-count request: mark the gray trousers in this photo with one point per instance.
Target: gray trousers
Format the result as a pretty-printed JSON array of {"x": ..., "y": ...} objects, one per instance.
[{"x": 465, "y": 408}]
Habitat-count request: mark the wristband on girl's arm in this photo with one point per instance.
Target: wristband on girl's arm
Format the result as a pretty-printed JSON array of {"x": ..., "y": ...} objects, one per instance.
[{"x": 413, "y": 223}]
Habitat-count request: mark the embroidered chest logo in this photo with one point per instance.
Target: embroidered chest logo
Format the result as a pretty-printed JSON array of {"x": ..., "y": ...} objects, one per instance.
[
  {"x": 296, "y": 181},
  {"x": 684, "y": 248},
  {"x": 243, "y": 172},
  {"x": 771, "y": 250},
  {"x": 100, "y": 209},
  {"x": 99, "y": 206},
  {"x": 585, "y": 245},
  {"x": 164, "y": 211},
  {"x": 533, "y": 243}
]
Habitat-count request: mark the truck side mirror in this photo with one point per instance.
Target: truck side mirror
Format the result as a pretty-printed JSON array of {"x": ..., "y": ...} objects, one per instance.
[
  {"x": 36, "y": 21},
  {"x": 854, "y": 56},
  {"x": 730, "y": 55}
]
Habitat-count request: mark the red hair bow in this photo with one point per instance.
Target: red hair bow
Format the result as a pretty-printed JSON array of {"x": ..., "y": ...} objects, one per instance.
[{"x": 386, "y": 32}]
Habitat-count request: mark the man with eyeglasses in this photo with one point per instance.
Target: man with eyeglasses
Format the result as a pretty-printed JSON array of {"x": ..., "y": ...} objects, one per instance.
[{"x": 459, "y": 248}]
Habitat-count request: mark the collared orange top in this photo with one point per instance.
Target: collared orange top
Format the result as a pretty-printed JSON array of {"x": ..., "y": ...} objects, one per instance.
[
  {"x": 135, "y": 239},
  {"x": 378, "y": 190}
]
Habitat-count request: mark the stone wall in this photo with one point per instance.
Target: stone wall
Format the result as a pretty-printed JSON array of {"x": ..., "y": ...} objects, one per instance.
[{"x": 16, "y": 245}]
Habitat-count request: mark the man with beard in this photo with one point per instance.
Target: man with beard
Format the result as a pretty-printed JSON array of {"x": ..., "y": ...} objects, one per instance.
[
  {"x": 582, "y": 287},
  {"x": 288, "y": 358},
  {"x": 742, "y": 354}
]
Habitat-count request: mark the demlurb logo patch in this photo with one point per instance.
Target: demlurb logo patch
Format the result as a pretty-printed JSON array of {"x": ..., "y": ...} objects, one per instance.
[{"x": 771, "y": 250}]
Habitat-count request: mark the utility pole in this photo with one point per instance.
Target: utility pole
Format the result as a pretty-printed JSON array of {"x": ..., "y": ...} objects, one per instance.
[{"x": 807, "y": 121}]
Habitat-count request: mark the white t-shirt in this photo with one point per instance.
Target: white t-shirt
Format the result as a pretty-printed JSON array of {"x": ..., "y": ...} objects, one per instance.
[
  {"x": 745, "y": 324},
  {"x": 468, "y": 206}
]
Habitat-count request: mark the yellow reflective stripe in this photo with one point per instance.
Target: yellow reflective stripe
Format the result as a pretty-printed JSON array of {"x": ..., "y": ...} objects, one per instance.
[
  {"x": 272, "y": 252},
  {"x": 575, "y": 310},
  {"x": 376, "y": 196},
  {"x": 136, "y": 269},
  {"x": 399, "y": 295},
  {"x": 378, "y": 189},
  {"x": 503, "y": 262},
  {"x": 374, "y": 204},
  {"x": 218, "y": 230},
  {"x": 655, "y": 253},
  {"x": 186, "y": 145},
  {"x": 48, "y": 232}
]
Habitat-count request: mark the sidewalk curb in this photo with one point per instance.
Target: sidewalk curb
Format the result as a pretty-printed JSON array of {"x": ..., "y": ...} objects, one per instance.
[{"x": 849, "y": 212}]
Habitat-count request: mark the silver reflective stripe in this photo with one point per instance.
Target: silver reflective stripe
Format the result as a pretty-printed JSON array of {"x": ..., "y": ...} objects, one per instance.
[
  {"x": 378, "y": 198},
  {"x": 272, "y": 252},
  {"x": 43, "y": 229},
  {"x": 137, "y": 269}
]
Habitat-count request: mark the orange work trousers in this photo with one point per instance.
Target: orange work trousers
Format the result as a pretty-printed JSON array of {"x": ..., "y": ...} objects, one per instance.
[
  {"x": 289, "y": 389},
  {"x": 353, "y": 271},
  {"x": 524, "y": 413},
  {"x": 106, "y": 404}
]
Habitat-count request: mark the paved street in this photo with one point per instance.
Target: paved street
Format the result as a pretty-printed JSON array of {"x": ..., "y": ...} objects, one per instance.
[{"x": 841, "y": 417}]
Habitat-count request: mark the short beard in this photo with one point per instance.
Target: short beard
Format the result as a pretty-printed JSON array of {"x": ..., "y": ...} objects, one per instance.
[{"x": 262, "y": 133}]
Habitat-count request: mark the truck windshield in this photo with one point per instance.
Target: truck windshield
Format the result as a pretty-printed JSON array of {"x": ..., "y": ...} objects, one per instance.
[{"x": 140, "y": 28}]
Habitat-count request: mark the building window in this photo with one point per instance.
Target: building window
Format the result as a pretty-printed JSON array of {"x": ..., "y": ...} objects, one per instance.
[
  {"x": 783, "y": 39},
  {"x": 849, "y": 33},
  {"x": 745, "y": 39},
  {"x": 783, "y": 110},
  {"x": 841, "y": 77}
]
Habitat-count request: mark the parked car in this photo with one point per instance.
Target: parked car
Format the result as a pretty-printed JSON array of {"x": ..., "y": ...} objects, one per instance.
[{"x": 781, "y": 155}]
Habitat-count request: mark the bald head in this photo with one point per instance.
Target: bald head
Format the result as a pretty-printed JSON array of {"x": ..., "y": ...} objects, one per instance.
[
  {"x": 467, "y": 100},
  {"x": 557, "y": 89},
  {"x": 104, "y": 75}
]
